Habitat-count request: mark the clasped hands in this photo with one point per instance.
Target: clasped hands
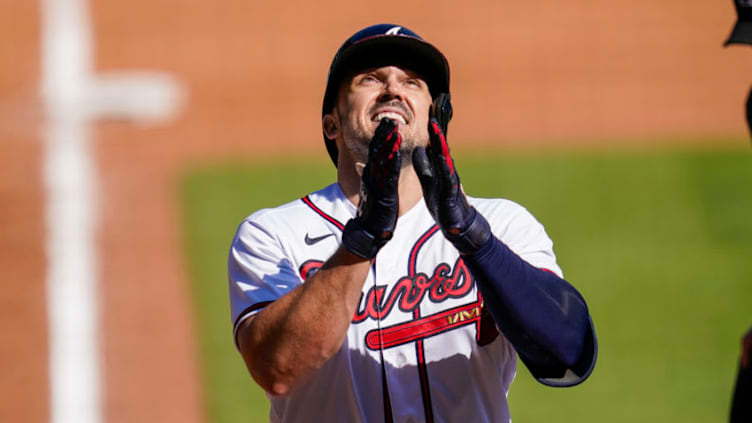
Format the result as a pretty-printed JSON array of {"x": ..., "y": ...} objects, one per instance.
[{"x": 378, "y": 209}]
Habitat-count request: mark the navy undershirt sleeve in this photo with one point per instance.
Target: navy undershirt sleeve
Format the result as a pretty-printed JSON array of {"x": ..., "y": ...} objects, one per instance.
[{"x": 541, "y": 314}]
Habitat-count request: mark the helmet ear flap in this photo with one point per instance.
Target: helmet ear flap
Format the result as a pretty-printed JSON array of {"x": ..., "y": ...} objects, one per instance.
[{"x": 441, "y": 109}]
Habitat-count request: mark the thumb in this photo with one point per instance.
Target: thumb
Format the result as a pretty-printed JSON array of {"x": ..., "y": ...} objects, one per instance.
[
  {"x": 426, "y": 176},
  {"x": 422, "y": 166}
]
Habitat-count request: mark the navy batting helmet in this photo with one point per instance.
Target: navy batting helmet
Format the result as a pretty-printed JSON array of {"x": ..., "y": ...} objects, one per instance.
[
  {"x": 742, "y": 32},
  {"x": 383, "y": 45}
]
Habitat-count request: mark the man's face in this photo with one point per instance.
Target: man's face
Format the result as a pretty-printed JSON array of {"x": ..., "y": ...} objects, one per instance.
[{"x": 375, "y": 94}]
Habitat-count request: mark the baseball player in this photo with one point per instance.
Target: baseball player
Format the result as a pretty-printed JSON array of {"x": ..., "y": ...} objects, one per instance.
[
  {"x": 391, "y": 295},
  {"x": 741, "y": 400},
  {"x": 741, "y": 34}
]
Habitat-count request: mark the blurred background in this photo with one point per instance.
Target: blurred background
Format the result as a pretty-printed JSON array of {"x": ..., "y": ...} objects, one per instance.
[{"x": 619, "y": 125}]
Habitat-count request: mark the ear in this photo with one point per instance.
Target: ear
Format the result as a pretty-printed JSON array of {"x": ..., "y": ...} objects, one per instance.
[{"x": 330, "y": 125}]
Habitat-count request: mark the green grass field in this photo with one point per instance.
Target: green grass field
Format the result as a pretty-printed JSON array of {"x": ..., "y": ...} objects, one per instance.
[{"x": 660, "y": 244}]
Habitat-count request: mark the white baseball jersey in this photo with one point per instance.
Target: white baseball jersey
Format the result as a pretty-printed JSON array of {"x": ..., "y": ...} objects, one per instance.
[{"x": 439, "y": 352}]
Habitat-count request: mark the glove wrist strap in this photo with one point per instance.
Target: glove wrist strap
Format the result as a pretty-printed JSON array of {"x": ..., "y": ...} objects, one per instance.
[
  {"x": 360, "y": 242},
  {"x": 471, "y": 239}
]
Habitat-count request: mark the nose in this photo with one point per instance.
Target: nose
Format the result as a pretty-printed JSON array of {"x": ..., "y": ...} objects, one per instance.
[{"x": 392, "y": 90}]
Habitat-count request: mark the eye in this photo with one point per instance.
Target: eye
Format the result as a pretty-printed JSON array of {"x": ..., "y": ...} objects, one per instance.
[
  {"x": 369, "y": 79},
  {"x": 413, "y": 82}
]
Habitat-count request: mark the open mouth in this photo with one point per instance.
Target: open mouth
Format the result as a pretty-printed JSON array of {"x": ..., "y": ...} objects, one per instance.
[{"x": 389, "y": 115}]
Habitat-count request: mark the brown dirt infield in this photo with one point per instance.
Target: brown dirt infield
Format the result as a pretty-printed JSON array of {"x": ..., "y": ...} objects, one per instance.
[{"x": 523, "y": 74}]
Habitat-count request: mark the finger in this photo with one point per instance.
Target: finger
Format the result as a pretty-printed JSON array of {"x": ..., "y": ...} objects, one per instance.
[
  {"x": 386, "y": 126},
  {"x": 426, "y": 176},
  {"x": 423, "y": 168},
  {"x": 392, "y": 147},
  {"x": 441, "y": 159},
  {"x": 439, "y": 144},
  {"x": 382, "y": 143},
  {"x": 388, "y": 156},
  {"x": 376, "y": 147},
  {"x": 392, "y": 162},
  {"x": 384, "y": 157}
]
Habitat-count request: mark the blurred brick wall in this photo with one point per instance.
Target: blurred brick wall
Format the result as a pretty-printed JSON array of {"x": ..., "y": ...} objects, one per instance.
[{"x": 522, "y": 72}]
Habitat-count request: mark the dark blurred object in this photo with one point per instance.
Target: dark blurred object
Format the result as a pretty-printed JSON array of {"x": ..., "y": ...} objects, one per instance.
[
  {"x": 741, "y": 404},
  {"x": 742, "y": 32},
  {"x": 749, "y": 111}
]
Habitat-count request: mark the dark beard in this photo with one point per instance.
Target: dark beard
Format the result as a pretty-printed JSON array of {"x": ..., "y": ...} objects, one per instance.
[
  {"x": 406, "y": 154},
  {"x": 406, "y": 151}
]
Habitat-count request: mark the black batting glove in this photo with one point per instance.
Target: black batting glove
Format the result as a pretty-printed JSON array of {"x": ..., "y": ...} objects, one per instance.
[
  {"x": 376, "y": 218},
  {"x": 461, "y": 224}
]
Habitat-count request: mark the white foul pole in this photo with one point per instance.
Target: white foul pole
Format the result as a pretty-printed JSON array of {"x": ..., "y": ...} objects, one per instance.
[
  {"x": 73, "y": 96},
  {"x": 69, "y": 177}
]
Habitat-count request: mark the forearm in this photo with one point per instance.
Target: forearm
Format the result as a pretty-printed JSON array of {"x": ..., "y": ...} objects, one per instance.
[
  {"x": 300, "y": 331},
  {"x": 544, "y": 317}
]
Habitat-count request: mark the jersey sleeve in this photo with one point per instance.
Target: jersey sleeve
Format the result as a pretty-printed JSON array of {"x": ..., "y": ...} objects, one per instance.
[
  {"x": 524, "y": 235},
  {"x": 259, "y": 271}
]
